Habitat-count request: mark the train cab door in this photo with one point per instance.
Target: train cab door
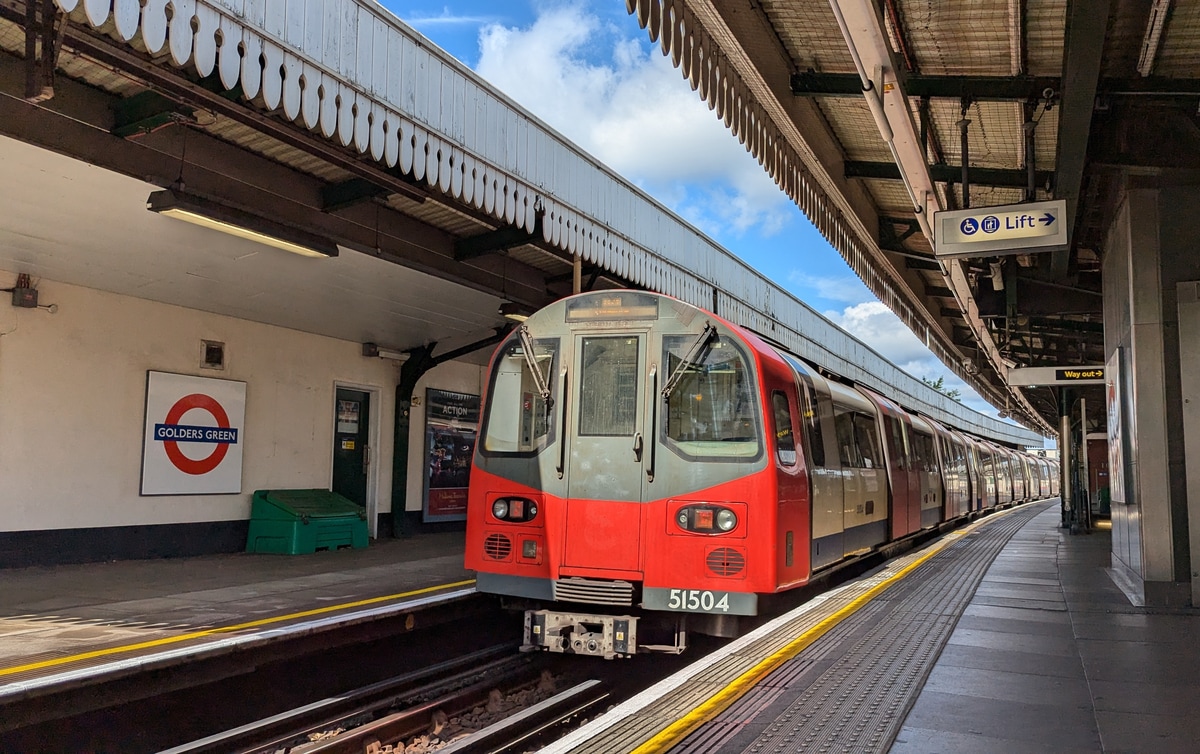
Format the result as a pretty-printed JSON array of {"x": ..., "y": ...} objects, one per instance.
[{"x": 605, "y": 470}]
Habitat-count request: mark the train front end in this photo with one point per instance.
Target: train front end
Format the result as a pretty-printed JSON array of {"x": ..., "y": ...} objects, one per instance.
[{"x": 620, "y": 482}]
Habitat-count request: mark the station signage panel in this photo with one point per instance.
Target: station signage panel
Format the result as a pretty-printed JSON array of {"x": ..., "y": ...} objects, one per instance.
[
  {"x": 193, "y": 435},
  {"x": 1091, "y": 374},
  {"x": 996, "y": 231}
]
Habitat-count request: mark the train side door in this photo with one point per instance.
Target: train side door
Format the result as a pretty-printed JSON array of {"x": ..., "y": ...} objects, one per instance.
[{"x": 608, "y": 444}]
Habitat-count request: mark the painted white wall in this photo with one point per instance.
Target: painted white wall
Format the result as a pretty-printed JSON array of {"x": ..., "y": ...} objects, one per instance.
[{"x": 72, "y": 407}]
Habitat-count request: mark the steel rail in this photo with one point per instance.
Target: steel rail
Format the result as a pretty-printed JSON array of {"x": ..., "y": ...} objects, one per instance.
[{"x": 287, "y": 726}]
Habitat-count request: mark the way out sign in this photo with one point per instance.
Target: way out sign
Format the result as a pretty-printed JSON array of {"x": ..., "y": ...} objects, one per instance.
[
  {"x": 192, "y": 443},
  {"x": 995, "y": 231}
]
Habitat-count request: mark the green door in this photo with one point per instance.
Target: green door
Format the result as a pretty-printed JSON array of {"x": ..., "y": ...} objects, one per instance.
[{"x": 351, "y": 455}]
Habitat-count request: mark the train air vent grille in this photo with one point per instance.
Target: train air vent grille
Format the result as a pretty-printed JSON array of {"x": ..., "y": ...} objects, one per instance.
[
  {"x": 725, "y": 561},
  {"x": 497, "y": 547},
  {"x": 593, "y": 591}
]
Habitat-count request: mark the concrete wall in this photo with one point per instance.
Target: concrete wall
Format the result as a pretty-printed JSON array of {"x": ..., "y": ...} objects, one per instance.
[
  {"x": 72, "y": 407},
  {"x": 1151, "y": 247}
]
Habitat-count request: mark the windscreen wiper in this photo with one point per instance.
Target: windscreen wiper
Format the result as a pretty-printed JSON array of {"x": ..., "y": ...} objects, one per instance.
[
  {"x": 689, "y": 359},
  {"x": 539, "y": 379}
]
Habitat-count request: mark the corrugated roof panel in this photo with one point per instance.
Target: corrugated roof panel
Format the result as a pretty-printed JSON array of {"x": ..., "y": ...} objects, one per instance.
[
  {"x": 890, "y": 197},
  {"x": 1045, "y": 137},
  {"x": 959, "y": 38},
  {"x": 441, "y": 216},
  {"x": 811, "y": 35},
  {"x": 990, "y": 196},
  {"x": 1177, "y": 55},
  {"x": 852, "y": 124},
  {"x": 542, "y": 260},
  {"x": 1044, "y": 21},
  {"x": 256, "y": 141},
  {"x": 12, "y": 38},
  {"x": 995, "y": 134}
]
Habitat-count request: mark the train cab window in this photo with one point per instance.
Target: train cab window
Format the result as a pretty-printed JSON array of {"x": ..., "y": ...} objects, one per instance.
[
  {"x": 712, "y": 410},
  {"x": 609, "y": 390},
  {"x": 868, "y": 441},
  {"x": 785, "y": 439},
  {"x": 519, "y": 419}
]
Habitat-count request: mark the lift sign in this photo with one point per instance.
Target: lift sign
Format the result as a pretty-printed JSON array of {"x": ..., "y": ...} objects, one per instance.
[{"x": 192, "y": 442}]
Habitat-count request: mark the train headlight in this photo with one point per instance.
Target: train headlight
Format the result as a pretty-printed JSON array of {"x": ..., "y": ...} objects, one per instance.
[
  {"x": 726, "y": 519},
  {"x": 706, "y": 518},
  {"x": 514, "y": 510}
]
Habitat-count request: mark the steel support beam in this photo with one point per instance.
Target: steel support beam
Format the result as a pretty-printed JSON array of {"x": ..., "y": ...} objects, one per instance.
[
  {"x": 949, "y": 174},
  {"x": 993, "y": 88},
  {"x": 338, "y": 196},
  {"x": 1087, "y": 24},
  {"x": 495, "y": 241}
]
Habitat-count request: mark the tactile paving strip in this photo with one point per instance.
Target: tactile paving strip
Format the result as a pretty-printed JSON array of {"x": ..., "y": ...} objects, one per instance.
[{"x": 850, "y": 691}]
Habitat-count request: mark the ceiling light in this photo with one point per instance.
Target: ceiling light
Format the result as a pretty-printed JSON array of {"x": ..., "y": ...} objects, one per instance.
[
  {"x": 372, "y": 350},
  {"x": 240, "y": 223},
  {"x": 513, "y": 311}
]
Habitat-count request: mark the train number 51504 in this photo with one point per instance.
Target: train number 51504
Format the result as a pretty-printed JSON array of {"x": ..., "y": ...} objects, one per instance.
[{"x": 698, "y": 599}]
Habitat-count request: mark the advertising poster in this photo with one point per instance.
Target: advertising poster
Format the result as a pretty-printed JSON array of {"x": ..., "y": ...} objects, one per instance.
[
  {"x": 1116, "y": 447},
  {"x": 192, "y": 440},
  {"x": 450, "y": 426}
]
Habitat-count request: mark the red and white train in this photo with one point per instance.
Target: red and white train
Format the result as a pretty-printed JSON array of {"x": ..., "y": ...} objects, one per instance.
[{"x": 645, "y": 468}]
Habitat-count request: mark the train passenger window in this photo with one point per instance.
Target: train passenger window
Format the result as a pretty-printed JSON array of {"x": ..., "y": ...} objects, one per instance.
[
  {"x": 923, "y": 452},
  {"x": 712, "y": 412},
  {"x": 898, "y": 440},
  {"x": 868, "y": 441},
  {"x": 812, "y": 424},
  {"x": 785, "y": 440},
  {"x": 518, "y": 418},
  {"x": 608, "y": 392},
  {"x": 843, "y": 422}
]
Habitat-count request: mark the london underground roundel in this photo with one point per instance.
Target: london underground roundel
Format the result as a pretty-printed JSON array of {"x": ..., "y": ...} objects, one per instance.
[{"x": 193, "y": 436}]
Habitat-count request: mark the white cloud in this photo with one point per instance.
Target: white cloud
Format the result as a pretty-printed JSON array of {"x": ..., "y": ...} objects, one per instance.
[
  {"x": 874, "y": 324},
  {"x": 446, "y": 18},
  {"x": 633, "y": 112}
]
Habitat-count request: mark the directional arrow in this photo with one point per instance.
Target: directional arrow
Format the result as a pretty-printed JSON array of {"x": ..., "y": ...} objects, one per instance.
[{"x": 1047, "y": 218}]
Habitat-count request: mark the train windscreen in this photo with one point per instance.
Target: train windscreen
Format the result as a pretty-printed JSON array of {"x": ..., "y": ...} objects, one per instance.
[
  {"x": 518, "y": 418},
  {"x": 712, "y": 411}
]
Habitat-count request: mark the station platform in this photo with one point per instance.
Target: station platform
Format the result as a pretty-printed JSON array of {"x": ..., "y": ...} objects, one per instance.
[
  {"x": 1006, "y": 636},
  {"x": 70, "y": 624}
]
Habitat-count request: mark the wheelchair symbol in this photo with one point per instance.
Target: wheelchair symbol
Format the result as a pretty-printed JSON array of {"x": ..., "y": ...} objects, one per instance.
[{"x": 969, "y": 226}]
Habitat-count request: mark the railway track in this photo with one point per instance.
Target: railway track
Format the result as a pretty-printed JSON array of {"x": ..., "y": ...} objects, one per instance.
[{"x": 489, "y": 700}]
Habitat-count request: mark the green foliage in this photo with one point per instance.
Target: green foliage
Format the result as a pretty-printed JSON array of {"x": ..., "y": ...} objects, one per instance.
[{"x": 940, "y": 385}]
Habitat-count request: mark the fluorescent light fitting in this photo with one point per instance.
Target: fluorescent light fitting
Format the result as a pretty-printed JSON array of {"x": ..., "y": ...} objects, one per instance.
[
  {"x": 236, "y": 222},
  {"x": 513, "y": 312},
  {"x": 372, "y": 350}
]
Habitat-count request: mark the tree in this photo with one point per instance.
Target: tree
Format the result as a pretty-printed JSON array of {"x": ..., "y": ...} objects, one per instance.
[{"x": 940, "y": 385}]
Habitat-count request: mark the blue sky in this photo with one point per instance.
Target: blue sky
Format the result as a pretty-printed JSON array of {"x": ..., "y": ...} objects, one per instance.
[{"x": 585, "y": 68}]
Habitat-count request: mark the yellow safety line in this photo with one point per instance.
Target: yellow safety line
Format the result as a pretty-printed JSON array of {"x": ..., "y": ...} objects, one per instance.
[
  {"x": 224, "y": 629},
  {"x": 738, "y": 687}
]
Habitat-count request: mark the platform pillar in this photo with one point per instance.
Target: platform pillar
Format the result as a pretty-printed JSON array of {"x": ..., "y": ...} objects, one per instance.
[{"x": 1150, "y": 247}]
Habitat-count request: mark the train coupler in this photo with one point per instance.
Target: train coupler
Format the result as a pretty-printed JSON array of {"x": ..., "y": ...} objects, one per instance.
[{"x": 606, "y": 636}]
